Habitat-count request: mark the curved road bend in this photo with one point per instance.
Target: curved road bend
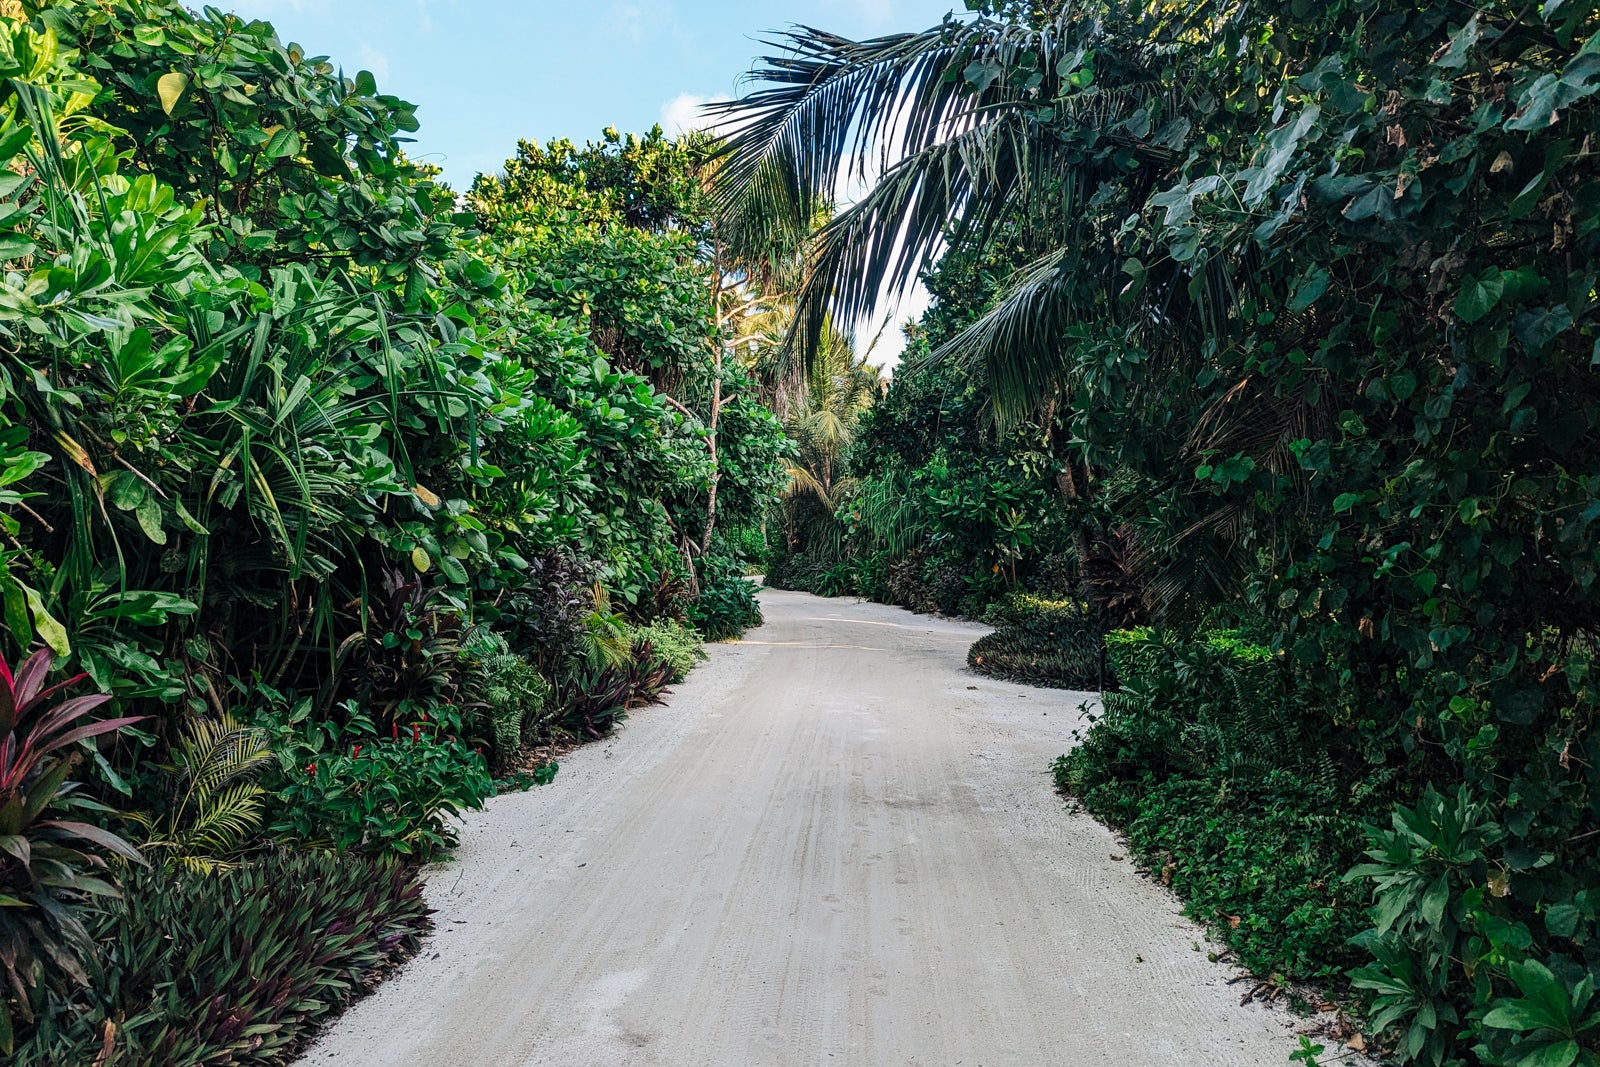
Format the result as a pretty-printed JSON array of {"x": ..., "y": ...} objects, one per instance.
[{"x": 835, "y": 847}]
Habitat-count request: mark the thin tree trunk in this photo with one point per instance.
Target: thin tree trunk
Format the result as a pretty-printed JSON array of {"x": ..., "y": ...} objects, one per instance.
[
  {"x": 711, "y": 444},
  {"x": 717, "y": 278}
]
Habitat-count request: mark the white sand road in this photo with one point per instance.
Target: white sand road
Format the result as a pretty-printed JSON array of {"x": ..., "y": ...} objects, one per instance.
[{"x": 835, "y": 846}]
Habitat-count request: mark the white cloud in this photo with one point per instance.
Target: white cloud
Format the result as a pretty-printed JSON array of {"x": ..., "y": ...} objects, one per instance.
[
  {"x": 376, "y": 62},
  {"x": 682, "y": 113},
  {"x": 639, "y": 20},
  {"x": 875, "y": 13}
]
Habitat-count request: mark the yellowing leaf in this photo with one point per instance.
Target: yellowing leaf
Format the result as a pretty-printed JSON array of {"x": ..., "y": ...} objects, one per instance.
[
  {"x": 54, "y": 634},
  {"x": 427, "y": 496},
  {"x": 75, "y": 452},
  {"x": 170, "y": 87},
  {"x": 420, "y": 560}
]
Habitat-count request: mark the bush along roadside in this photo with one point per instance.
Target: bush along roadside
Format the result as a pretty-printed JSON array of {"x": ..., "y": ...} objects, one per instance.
[
  {"x": 1051, "y": 643},
  {"x": 234, "y": 967},
  {"x": 1232, "y": 796},
  {"x": 335, "y": 492}
]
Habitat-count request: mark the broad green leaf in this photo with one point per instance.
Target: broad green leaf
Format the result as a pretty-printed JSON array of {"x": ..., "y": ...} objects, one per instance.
[
  {"x": 1540, "y": 105},
  {"x": 1556, "y": 1054},
  {"x": 1479, "y": 294},
  {"x": 149, "y": 515},
  {"x": 980, "y": 74},
  {"x": 124, "y": 491},
  {"x": 53, "y": 633},
  {"x": 1311, "y": 286},
  {"x": 15, "y": 246},
  {"x": 1562, "y": 919},
  {"x": 453, "y": 569},
  {"x": 20, "y": 466},
  {"x": 1539, "y": 327},
  {"x": 282, "y": 145},
  {"x": 170, "y": 88},
  {"x": 1518, "y": 1015},
  {"x": 1454, "y": 55},
  {"x": 16, "y": 611}
]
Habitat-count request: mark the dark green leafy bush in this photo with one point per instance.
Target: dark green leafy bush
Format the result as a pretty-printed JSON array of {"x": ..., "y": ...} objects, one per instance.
[
  {"x": 1053, "y": 643},
  {"x": 727, "y": 605},
  {"x": 1443, "y": 879},
  {"x": 747, "y": 543},
  {"x": 542, "y": 613},
  {"x": 812, "y": 572},
  {"x": 677, "y": 645},
  {"x": 349, "y": 786},
  {"x": 508, "y": 700},
  {"x": 237, "y": 967},
  {"x": 1223, "y": 786}
]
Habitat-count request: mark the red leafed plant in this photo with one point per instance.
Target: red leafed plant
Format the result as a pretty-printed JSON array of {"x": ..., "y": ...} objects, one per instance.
[{"x": 48, "y": 864}]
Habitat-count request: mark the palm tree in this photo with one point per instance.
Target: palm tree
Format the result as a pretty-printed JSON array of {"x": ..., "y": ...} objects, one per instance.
[
  {"x": 839, "y": 390},
  {"x": 1067, "y": 123},
  {"x": 1054, "y": 118}
]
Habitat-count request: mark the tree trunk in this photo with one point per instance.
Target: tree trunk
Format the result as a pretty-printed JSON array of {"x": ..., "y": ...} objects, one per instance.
[
  {"x": 711, "y": 444},
  {"x": 717, "y": 279}
]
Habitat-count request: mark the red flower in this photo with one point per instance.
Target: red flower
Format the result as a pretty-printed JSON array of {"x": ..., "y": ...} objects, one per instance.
[
  {"x": 311, "y": 768},
  {"x": 394, "y": 730},
  {"x": 356, "y": 751},
  {"x": 416, "y": 733}
]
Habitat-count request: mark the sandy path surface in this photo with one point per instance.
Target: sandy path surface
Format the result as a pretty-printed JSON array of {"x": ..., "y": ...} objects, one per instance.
[{"x": 834, "y": 847}]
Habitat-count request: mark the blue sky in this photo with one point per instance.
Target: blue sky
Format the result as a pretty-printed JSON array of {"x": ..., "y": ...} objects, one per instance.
[{"x": 488, "y": 72}]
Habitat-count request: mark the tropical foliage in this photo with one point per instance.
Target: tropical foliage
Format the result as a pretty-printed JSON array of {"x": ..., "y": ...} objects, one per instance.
[
  {"x": 1298, "y": 307},
  {"x": 50, "y": 865},
  {"x": 325, "y": 479},
  {"x": 237, "y": 967}
]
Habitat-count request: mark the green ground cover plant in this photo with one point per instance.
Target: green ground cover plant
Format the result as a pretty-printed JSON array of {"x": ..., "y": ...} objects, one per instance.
[
  {"x": 1053, "y": 643},
  {"x": 1231, "y": 795},
  {"x": 235, "y": 967}
]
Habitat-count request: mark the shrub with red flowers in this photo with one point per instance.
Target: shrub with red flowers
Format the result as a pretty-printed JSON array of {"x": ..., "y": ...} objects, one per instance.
[{"x": 347, "y": 785}]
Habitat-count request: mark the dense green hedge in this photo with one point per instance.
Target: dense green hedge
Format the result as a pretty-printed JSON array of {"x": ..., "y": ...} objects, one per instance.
[
  {"x": 727, "y": 604},
  {"x": 1230, "y": 795},
  {"x": 1053, "y": 643}
]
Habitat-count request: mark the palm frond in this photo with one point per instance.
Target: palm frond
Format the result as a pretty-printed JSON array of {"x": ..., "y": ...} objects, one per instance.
[
  {"x": 835, "y": 110},
  {"x": 958, "y": 157},
  {"x": 218, "y": 808}
]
